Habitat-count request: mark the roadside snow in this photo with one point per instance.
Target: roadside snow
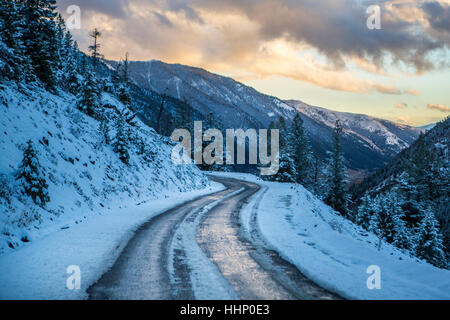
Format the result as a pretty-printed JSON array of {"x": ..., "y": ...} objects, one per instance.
[
  {"x": 38, "y": 270},
  {"x": 334, "y": 252}
]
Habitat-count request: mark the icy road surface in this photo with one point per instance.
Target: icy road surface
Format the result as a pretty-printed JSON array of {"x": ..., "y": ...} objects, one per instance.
[{"x": 197, "y": 251}]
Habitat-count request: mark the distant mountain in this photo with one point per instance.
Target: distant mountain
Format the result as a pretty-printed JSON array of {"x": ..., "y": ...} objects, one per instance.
[
  {"x": 422, "y": 172},
  {"x": 369, "y": 143},
  {"x": 428, "y": 126}
]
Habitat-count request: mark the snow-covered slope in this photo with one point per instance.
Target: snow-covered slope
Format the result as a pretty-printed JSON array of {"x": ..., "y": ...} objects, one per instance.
[
  {"x": 382, "y": 136},
  {"x": 85, "y": 176},
  {"x": 369, "y": 143},
  {"x": 334, "y": 252}
]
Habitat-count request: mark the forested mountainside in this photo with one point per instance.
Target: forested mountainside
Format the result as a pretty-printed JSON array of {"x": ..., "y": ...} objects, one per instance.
[
  {"x": 368, "y": 143},
  {"x": 412, "y": 192},
  {"x": 72, "y": 145}
]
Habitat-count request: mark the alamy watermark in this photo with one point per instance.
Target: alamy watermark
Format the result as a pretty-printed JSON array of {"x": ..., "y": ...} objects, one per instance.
[
  {"x": 374, "y": 280},
  {"x": 256, "y": 142},
  {"x": 374, "y": 20},
  {"x": 74, "y": 280},
  {"x": 73, "y": 21}
]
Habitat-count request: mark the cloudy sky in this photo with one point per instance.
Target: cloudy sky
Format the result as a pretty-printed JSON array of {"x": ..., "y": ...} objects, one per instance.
[{"x": 318, "y": 51}]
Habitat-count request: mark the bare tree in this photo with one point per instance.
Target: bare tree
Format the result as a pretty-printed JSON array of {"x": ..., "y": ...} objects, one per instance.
[
  {"x": 95, "y": 48},
  {"x": 161, "y": 110},
  {"x": 125, "y": 72}
]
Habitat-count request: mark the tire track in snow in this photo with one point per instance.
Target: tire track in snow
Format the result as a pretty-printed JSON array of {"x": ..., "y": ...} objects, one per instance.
[{"x": 187, "y": 263}]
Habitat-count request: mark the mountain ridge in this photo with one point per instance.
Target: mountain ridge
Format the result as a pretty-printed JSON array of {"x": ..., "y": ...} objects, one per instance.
[{"x": 240, "y": 106}]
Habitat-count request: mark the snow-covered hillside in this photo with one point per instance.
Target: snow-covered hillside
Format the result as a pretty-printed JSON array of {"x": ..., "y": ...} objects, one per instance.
[
  {"x": 85, "y": 177},
  {"x": 373, "y": 131},
  {"x": 331, "y": 250}
]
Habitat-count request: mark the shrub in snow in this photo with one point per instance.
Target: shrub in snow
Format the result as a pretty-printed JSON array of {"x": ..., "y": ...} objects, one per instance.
[
  {"x": 27, "y": 217},
  {"x": 30, "y": 177}
]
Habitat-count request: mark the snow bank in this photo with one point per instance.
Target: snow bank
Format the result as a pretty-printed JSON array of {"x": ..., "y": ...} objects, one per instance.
[
  {"x": 39, "y": 269},
  {"x": 334, "y": 252}
]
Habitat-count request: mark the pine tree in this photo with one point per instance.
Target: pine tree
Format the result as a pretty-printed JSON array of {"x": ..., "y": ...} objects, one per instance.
[
  {"x": 429, "y": 242},
  {"x": 88, "y": 101},
  {"x": 301, "y": 152},
  {"x": 387, "y": 220},
  {"x": 73, "y": 65},
  {"x": 384, "y": 220},
  {"x": 95, "y": 47},
  {"x": 10, "y": 24},
  {"x": 30, "y": 177},
  {"x": 73, "y": 81},
  {"x": 337, "y": 196},
  {"x": 211, "y": 122},
  {"x": 11, "y": 33},
  {"x": 365, "y": 212},
  {"x": 162, "y": 107},
  {"x": 67, "y": 64},
  {"x": 402, "y": 236},
  {"x": 316, "y": 174},
  {"x": 183, "y": 116},
  {"x": 61, "y": 52},
  {"x": 40, "y": 39},
  {"x": 286, "y": 172},
  {"x": 269, "y": 147},
  {"x": 121, "y": 141},
  {"x": 125, "y": 66}
]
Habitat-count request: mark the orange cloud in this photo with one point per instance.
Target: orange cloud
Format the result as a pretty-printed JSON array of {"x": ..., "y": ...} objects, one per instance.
[
  {"x": 438, "y": 107},
  {"x": 257, "y": 41},
  {"x": 401, "y": 105}
]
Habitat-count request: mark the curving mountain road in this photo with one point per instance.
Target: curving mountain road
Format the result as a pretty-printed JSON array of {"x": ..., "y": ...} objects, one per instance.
[{"x": 155, "y": 263}]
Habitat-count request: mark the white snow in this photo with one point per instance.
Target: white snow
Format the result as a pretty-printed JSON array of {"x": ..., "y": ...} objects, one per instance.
[
  {"x": 356, "y": 124},
  {"x": 38, "y": 270},
  {"x": 84, "y": 175},
  {"x": 334, "y": 252},
  {"x": 96, "y": 200}
]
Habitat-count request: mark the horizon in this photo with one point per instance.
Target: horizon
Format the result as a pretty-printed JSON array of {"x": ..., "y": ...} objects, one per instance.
[
  {"x": 398, "y": 72},
  {"x": 284, "y": 100}
]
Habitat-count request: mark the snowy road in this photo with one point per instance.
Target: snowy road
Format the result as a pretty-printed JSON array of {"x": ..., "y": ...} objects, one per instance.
[{"x": 197, "y": 251}]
